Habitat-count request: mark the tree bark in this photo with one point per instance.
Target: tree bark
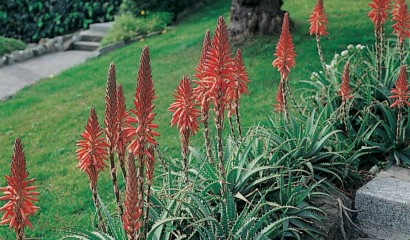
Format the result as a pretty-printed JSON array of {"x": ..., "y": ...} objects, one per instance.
[{"x": 252, "y": 17}]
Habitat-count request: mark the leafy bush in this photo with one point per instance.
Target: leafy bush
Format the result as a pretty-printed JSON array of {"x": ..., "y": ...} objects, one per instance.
[
  {"x": 8, "y": 45},
  {"x": 140, "y": 7},
  {"x": 32, "y": 20},
  {"x": 126, "y": 26}
]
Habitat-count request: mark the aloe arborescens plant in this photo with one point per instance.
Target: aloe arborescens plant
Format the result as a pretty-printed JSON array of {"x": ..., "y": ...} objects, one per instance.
[
  {"x": 18, "y": 194},
  {"x": 185, "y": 117},
  {"x": 140, "y": 130},
  {"x": 91, "y": 157},
  {"x": 379, "y": 15},
  {"x": 285, "y": 53},
  {"x": 318, "y": 21}
]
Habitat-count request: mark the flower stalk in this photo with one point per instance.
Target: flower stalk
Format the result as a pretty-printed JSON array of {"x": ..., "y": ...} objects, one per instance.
[
  {"x": 400, "y": 92},
  {"x": 185, "y": 117},
  {"x": 379, "y": 15},
  {"x": 140, "y": 129},
  {"x": 91, "y": 156},
  {"x": 121, "y": 140},
  {"x": 111, "y": 129},
  {"x": 401, "y": 27},
  {"x": 219, "y": 80},
  {"x": 318, "y": 21},
  {"x": 285, "y": 53}
]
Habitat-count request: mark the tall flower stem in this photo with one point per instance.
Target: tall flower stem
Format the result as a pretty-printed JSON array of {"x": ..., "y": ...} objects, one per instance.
[
  {"x": 231, "y": 127},
  {"x": 94, "y": 192},
  {"x": 284, "y": 99},
  {"x": 321, "y": 57},
  {"x": 219, "y": 129},
  {"x": 287, "y": 86},
  {"x": 398, "y": 128},
  {"x": 184, "y": 153},
  {"x": 238, "y": 122},
  {"x": 205, "y": 118}
]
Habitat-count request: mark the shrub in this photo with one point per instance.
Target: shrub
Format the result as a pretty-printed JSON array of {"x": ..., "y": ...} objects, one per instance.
[
  {"x": 127, "y": 26},
  {"x": 8, "y": 45},
  {"x": 32, "y": 20}
]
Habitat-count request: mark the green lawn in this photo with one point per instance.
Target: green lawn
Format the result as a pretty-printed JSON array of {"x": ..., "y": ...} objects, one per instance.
[{"x": 50, "y": 115}]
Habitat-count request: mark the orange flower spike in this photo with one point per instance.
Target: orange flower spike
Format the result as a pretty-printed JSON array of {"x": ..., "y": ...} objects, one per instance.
[
  {"x": 122, "y": 114},
  {"x": 401, "y": 90},
  {"x": 184, "y": 108},
  {"x": 285, "y": 50},
  {"x": 378, "y": 14},
  {"x": 401, "y": 16},
  {"x": 205, "y": 48},
  {"x": 345, "y": 90},
  {"x": 318, "y": 20},
  {"x": 219, "y": 69},
  {"x": 143, "y": 106},
  {"x": 111, "y": 107},
  {"x": 279, "y": 106},
  {"x": 93, "y": 148},
  {"x": 241, "y": 74},
  {"x": 133, "y": 207},
  {"x": 18, "y": 193}
]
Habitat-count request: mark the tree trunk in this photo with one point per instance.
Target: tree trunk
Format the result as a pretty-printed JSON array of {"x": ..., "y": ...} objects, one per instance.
[{"x": 251, "y": 17}]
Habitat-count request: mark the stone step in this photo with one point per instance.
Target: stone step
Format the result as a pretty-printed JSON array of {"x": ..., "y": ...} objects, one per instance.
[
  {"x": 86, "y": 46},
  {"x": 91, "y": 36},
  {"x": 100, "y": 27},
  {"x": 384, "y": 204}
]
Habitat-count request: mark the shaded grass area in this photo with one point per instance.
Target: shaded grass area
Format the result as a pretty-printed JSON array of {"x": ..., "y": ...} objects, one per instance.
[
  {"x": 7, "y": 45},
  {"x": 50, "y": 115}
]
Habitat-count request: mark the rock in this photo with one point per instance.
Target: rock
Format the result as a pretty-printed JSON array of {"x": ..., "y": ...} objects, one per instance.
[{"x": 331, "y": 224}]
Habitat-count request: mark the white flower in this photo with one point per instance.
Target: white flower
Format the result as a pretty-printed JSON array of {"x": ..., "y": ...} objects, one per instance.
[
  {"x": 359, "y": 47},
  {"x": 328, "y": 67},
  {"x": 333, "y": 62},
  {"x": 344, "y": 53},
  {"x": 314, "y": 76},
  {"x": 350, "y": 46},
  {"x": 336, "y": 56}
]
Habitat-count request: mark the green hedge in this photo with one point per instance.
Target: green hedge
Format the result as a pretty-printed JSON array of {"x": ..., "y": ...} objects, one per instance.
[{"x": 31, "y": 20}]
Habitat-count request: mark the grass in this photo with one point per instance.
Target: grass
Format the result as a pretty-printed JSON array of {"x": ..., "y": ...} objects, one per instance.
[
  {"x": 50, "y": 115},
  {"x": 7, "y": 45}
]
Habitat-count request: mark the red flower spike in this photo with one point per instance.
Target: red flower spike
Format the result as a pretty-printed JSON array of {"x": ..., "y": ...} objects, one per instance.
[
  {"x": 241, "y": 81},
  {"x": 401, "y": 90},
  {"x": 19, "y": 194},
  {"x": 285, "y": 50},
  {"x": 185, "y": 114},
  {"x": 241, "y": 78},
  {"x": 345, "y": 90},
  {"x": 219, "y": 68},
  {"x": 280, "y": 105},
  {"x": 93, "y": 149},
  {"x": 378, "y": 14},
  {"x": 143, "y": 103},
  {"x": 401, "y": 16},
  {"x": 111, "y": 107},
  {"x": 122, "y": 114},
  {"x": 201, "y": 89},
  {"x": 133, "y": 207},
  {"x": 318, "y": 20}
]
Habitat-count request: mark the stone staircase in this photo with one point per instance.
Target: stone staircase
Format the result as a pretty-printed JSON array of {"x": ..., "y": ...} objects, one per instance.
[
  {"x": 384, "y": 205},
  {"x": 89, "y": 40}
]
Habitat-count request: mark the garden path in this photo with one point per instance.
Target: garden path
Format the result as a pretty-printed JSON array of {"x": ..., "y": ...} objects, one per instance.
[{"x": 19, "y": 75}]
